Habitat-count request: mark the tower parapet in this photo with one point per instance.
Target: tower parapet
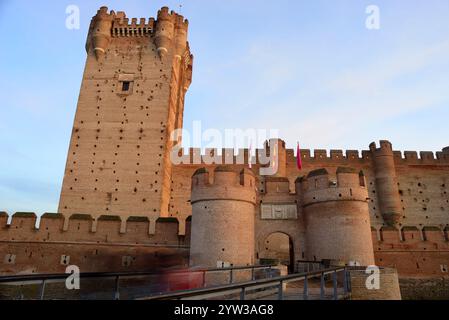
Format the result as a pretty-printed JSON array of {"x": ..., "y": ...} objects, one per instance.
[
  {"x": 122, "y": 28},
  {"x": 223, "y": 217},
  {"x": 386, "y": 182},
  {"x": 169, "y": 31},
  {"x": 336, "y": 215},
  {"x": 318, "y": 188}
]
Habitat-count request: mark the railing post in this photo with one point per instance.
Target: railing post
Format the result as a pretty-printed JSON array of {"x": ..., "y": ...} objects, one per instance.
[
  {"x": 117, "y": 288},
  {"x": 349, "y": 284},
  {"x": 42, "y": 290},
  {"x": 21, "y": 296},
  {"x": 345, "y": 281},
  {"x": 231, "y": 277},
  {"x": 306, "y": 288},
  {"x": 281, "y": 290},
  {"x": 253, "y": 276},
  {"x": 334, "y": 276},
  {"x": 322, "y": 286},
  {"x": 242, "y": 294},
  {"x": 204, "y": 279},
  {"x": 269, "y": 272}
]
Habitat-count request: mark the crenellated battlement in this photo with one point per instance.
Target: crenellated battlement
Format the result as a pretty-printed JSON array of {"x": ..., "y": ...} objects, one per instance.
[
  {"x": 226, "y": 184},
  {"x": 81, "y": 228},
  {"x": 423, "y": 157},
  {"x": 317, "y": 186},
  {"x": 121, "y": 27},
  {"x": 260, "y": 157},
  {"x": 178, "y": 20},
  {"x": 410, "y": 157},
  {"x": 169, "y": 31},
  {"x": 333, "y": 155},
  {"x": 223, "y": 176},
  {"x": 125, "y": 27},
  {"x": 103, "y": 12}
]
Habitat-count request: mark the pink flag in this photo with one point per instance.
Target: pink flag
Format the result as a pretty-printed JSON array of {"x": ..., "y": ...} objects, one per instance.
[{"x": 299, "y": 157}]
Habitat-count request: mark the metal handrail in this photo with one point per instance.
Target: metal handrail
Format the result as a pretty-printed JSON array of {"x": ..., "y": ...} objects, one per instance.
[
  {"x": 63, "y": 276},
  {"x": 242, "y": 287},
  {"x": 43, "y": 280}
]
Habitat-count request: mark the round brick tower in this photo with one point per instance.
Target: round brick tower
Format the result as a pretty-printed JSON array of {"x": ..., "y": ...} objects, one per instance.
[
  {"x": 337, "y": 218},
  {"x": 386, "y": 182},
  {"x": 223, "y": 218}
]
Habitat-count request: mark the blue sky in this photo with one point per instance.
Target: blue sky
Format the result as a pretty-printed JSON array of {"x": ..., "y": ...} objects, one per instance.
[{"x": 308, "y": 68}]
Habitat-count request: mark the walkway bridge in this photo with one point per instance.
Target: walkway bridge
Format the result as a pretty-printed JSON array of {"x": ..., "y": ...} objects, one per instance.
[{"x": 236, "y": 283}]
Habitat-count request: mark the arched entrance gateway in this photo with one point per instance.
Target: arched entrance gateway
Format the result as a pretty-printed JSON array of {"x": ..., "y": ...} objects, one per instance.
[{"x": 278, "y": 248}]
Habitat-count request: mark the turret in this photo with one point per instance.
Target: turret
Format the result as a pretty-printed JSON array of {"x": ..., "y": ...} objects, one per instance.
[
  {"x": 336, "y": 216},
  {"x": 165, "y": 30},
  {"x": 386, "y": 182},
  {"x": 171, "y": 32},
  {"x": 100, "y": 32},
  {"x": 223, "y": 218},
  {"x": 181, "y": 29}
]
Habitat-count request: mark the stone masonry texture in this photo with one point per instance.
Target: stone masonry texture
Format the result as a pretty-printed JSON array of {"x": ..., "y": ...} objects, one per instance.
[{"x": 125, "y": 206}]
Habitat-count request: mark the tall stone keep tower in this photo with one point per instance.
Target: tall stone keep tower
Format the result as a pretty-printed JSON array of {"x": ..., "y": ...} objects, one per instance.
[{"x": 132, "y": 97}]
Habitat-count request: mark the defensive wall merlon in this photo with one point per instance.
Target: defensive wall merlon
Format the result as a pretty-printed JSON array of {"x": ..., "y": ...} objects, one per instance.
[
  {"x": 85, "y": 228},
  {"x": 212, "y": 156},
  {"x": 169, "y": 31}
]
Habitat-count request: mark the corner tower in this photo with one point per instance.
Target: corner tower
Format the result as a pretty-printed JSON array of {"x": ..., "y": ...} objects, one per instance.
[{"x": 131, "y": 99}]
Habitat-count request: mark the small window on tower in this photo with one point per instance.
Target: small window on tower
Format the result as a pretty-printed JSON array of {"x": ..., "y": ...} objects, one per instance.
[{"x": 125, "y": 86}]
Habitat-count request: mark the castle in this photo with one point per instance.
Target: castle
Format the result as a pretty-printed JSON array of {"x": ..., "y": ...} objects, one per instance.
[{"x": 125, "y": 206}]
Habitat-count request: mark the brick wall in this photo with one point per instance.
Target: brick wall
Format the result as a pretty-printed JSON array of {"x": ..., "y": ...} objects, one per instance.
[{"x": 112, "y": 245}]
